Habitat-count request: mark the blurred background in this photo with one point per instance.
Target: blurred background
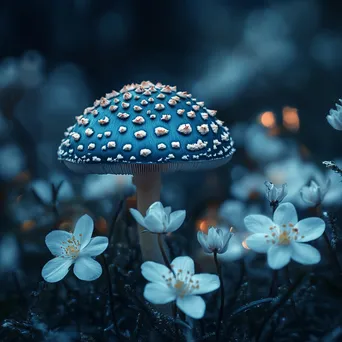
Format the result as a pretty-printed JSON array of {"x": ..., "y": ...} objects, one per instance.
[{"x": 272, "y": 69}]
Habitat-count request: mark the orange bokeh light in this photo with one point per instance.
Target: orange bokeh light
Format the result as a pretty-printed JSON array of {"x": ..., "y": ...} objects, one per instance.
[
  {"x": 204, "y": 224},
  {"x": 28, "y": 225},
  {"x": 291, "y": 119},
  {"x": 267, "y": 119},
  {"x": 101, "y": 225}
]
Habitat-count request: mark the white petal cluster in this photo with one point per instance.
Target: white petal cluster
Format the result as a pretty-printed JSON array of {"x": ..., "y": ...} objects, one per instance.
[
  {"x": 283, "y": 238},
  {"x": 78, "y": 248},
  {"x": 313, "y": 194},
  {"x": 216, "y": 241},
  {"x": 182, "y": 286},
  {"x": 159, "y": 219},
  {"x": 275, "y": 194},
  {"x": 335, "y": 117}
]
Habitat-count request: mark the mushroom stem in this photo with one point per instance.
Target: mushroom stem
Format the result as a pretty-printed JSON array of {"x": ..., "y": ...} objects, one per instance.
[{"x": 148, "y": 191}]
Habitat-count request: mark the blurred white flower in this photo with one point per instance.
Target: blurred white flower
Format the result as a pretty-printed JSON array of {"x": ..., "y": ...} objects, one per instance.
[
  {"x": 44, "y": 189},
  {"x": 313, "y": 194},
  {"x": 101, "y": 186},
  {"x": 263, "y": 147},
  {"x": 159, "y": 219},
  {"x": 335, "y": 117},
  {"x": 233, "y": 213},
  {"x": 12, "y": 162},
  {"x": 216, "y": 241},
  {"x": 275, "y": 194},
  {"x": 295, "y": 173},
  {"x": 235, "y": 249},
  {"x": 77, "y": 248},
  {"x": 183, "y": 287},
  {"x": 282, "y": 238},
  {"x": 249, "y": 186},
  {"x": 9, "y": 253}
]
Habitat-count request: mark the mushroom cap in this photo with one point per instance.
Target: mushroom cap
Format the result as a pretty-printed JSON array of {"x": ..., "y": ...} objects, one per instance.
[{"x": 146, "y": 127}]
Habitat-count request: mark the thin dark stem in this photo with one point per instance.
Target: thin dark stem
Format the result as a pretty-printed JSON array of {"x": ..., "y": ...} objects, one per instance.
[
  {"x": 326, "y": 238},
  {"x": 165, "y": 258},
  {"x": 220, "y": 315},
  {"x": 115, "y": 218},
  {"x": 110, "y": 295},
  {"x": 279, "y": 303},
  {"x": 175, "y": 312},
  {"x": 274, "y": 285},
  {"x": 289, "y": 283},
  {"x": 332, "y": 253}
]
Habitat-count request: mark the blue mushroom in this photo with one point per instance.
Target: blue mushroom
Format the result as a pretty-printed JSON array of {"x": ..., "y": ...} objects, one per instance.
[{"x": 145, "y": 129}]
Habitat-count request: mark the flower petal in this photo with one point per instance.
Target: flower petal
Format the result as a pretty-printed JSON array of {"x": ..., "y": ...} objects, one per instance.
[
  {"x": 96, "y": 246},
  {"x": 279, "y": 256},
  {"x": 55, "y": 239},
  {"x": 257, "y": 242},
  {"x": 138, "y": 217},
  {"x": 202, "y": 239},
  {"x": 183, "y": 263},
  {"x": 258, "y": 223},
  {"x": 168, "y": 210},
  {"x": 87, "y": 269},
  {"x": 206, "y": 282},
  {"x": 56, "y": 269},
  {"x": 159, "y": 293},
  {"x": 154, "y": 224},
  {"x": 176, "y": 220},
  {"x": 311, "y": 228},
  {"x": 154, "y": 272},
  {"x": 157, "y": 209},
  {"x": 193, "y": 306},
  {"x": 84, "y": 230},
  {"x": 285, "y": 213},
  {"x": 305, "y": 254}
]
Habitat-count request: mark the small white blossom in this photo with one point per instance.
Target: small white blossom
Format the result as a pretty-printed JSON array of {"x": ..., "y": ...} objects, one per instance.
[
  {"x": 216, "y": 241},
  {"x": 77, "y": 248},
  {"x": 313, "y": 194},
  {"x": 159, "y": 219},
  {"x": 335, "y": 117},
  {"x": 183, "y": 287},
  {"x": 282, "y": 239},
  {"x": 275, "y": 194}
]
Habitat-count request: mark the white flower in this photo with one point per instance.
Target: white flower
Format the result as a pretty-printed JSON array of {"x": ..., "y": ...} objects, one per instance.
[
  {"x": 184, "y": 288},
  {"x": 9, "y": 253},
  {"x": 282, "y": 238},
  {"x": 233, "y": 213},
  {"x": 44, "y": 189},
  {"x": 275, "y": 194},
  {"x": 216, "y": 241},
  {"x": 235, "y": 250},
  {"x": 263, "y": 147},
  {"x": 77, "y": 248},
  {"x": 101, "y": 186},
  {"x": 335, "y": 117},
  {"x": 159, "y": 219},
  {"x": 295, "y": 173},
  {"x": 314, "y": 194},
  {"x": 248, "y": 186}
]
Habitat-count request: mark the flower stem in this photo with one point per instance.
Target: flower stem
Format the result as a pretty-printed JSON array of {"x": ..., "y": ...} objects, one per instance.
[
  {"x": 175, "y": 312},
  {"x": 164, "y": 255},
  {"x": 220, "y": 315},
  {"x": 110, "y": 295},
  {"x": 326, "y": 238},
  {"x": 274, "y": 284},
  {"x": 278, "y": 304},
  {"x": 332, "y": 253}
]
